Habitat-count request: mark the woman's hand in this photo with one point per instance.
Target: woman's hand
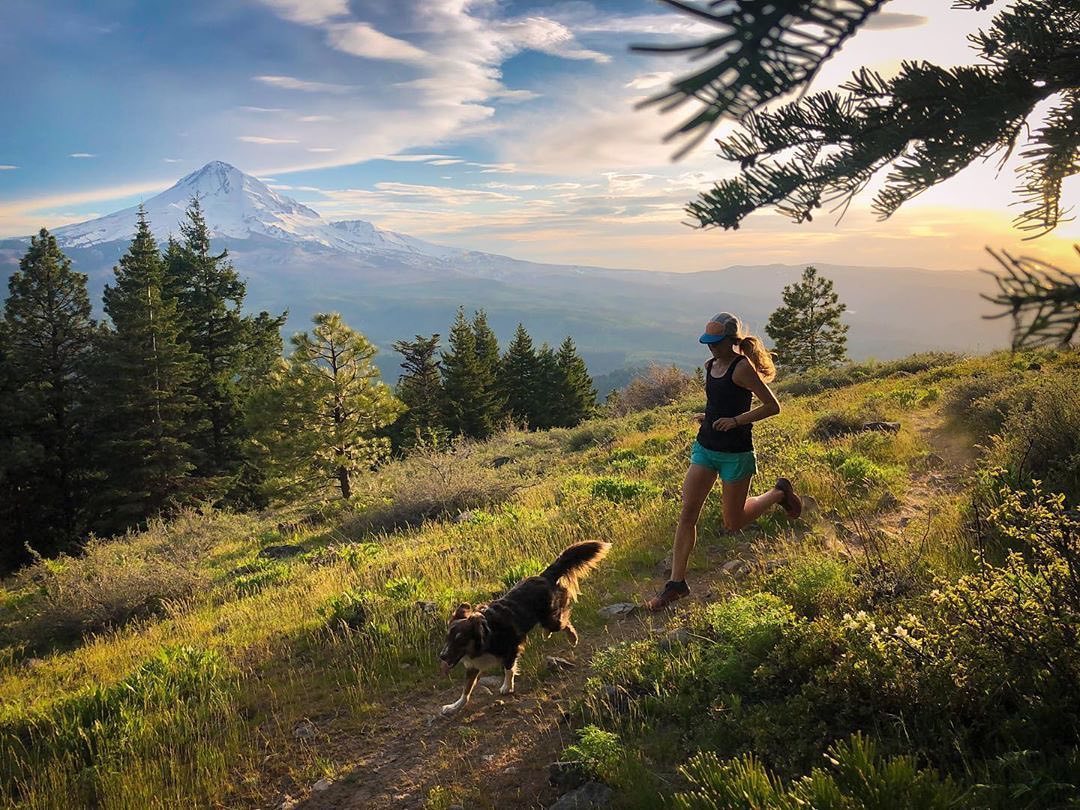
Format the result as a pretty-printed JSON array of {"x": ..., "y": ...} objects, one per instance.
[{"x": 725, "y": 423}]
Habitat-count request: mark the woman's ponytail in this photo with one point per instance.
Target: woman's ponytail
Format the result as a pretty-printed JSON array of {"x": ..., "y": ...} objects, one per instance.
[{"x": 754, "y": 350}]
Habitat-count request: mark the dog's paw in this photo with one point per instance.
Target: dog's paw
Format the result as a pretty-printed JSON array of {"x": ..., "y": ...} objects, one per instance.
[
  {"x": 506, "y": 690},
  {"x": 448, "y": 709}
]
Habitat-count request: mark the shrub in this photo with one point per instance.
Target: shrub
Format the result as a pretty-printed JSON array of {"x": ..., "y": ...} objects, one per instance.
[
  {"x": 404, "y": 589},
  {"x": 1040, "y": 438},
  {"x": 626, "y": 461},
  {"x": 622, "y": 490},
  {"x": 857, "y": 777},
  {"x": 658, "y": 385},
  {"x": 600, "y": 753},
  {"x": 433, "y": 483},
  {"x": 349, "y": 610},
  {"x": 594, "y": 433},
  {"x": 115, "y": 581},
  {"x": 861, "y": 474},
  {"x": 253, "y": 577},
  {"x": 834, "y": 424},
  {"x": 519, "y": 571},
  {"x": 813, "y": 586}
]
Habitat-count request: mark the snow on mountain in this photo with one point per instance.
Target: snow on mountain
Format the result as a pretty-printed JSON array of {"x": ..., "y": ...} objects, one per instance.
[{"x": 239, "y": 206}]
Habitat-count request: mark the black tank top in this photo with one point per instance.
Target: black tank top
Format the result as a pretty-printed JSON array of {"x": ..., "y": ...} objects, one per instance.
[{"x": 724, "y": 397}]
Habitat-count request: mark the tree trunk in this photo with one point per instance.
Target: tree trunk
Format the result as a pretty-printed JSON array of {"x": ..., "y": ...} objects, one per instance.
[{"x": 343, "y": 482}]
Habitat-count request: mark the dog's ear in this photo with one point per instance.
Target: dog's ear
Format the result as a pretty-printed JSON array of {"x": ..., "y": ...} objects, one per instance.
[
  {"x": 481, "y": 631},
  {"x": 462, "y": 611}
]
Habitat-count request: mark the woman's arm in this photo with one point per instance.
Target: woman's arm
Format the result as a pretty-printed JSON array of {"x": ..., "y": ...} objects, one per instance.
[{"x": 747, "y": 377}]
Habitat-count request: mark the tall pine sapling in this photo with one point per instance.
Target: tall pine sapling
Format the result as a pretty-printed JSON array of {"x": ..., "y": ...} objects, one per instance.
[
  {"x": 322, "y": 419},
  {"x": 516, "y": 380},
  {"x": 807, "y": 329},
  {"x": 577, "y": 395}
]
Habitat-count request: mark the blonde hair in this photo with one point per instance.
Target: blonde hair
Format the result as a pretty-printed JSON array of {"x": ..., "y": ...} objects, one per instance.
[{"x": 751, "y": 347}]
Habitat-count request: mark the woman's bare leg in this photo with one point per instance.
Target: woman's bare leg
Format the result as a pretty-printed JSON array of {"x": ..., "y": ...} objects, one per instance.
[
  {"x": 739, "y": 510},
  {"x": 696, "y": 487}
]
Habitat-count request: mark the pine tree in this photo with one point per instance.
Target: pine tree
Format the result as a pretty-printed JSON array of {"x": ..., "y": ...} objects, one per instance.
[
  {"x": 231, "y": 350},
  {"x": 145, "y": 408},
  {"x": 11, "y": 520},
  {"x": 420, "y": 390},
  {"x": 807, "y": 329},
  {"x": 487, "y": 357},
  {"x": 577, "y": 395},
  {"x": 48, "y": 337},
  {"x": 321, "y": 418},
  {"x": 918, "y": 128},
  {"x": 547, "y": 389},
  {"x": 467, "y": 383},
  {"x": 515, "y": 382}
]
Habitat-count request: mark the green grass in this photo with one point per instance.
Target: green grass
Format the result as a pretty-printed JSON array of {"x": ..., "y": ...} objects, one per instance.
[{"x": 344, "y": 626}]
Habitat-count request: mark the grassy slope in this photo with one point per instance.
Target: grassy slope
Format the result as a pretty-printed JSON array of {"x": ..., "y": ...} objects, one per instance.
[{"x": 269, "y": 651}]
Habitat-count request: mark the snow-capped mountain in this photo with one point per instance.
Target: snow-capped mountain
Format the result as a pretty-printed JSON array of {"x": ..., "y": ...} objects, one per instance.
[{"x": 239, "y": 206}]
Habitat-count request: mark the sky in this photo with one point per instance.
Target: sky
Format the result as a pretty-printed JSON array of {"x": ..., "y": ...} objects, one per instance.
[{"x": 498, "y": 125}]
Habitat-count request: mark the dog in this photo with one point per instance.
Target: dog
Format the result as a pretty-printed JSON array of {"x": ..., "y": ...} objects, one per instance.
[{"x": 492, "y": 635}]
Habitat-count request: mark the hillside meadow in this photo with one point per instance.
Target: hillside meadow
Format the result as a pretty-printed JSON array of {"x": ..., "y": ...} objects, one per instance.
[{"x": 910, "y": 642}]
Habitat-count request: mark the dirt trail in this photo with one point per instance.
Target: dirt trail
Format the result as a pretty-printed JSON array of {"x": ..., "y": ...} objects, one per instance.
[{"x": 498, "y": 750}]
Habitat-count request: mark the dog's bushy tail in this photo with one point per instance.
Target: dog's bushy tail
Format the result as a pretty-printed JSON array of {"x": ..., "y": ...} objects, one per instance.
[{"x": 574, "y": 564}]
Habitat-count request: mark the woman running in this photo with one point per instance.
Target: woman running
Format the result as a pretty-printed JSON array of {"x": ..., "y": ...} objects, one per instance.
[{"x": 738, "y": 370}]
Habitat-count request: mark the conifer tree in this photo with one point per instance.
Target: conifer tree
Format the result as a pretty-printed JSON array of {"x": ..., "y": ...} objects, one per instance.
[
  {"x": 142, "y": 392},
  {"x": 577, "y": 395},
  {"x": 420, "y": 390},
  {"x": 547, "y": 389},
  {"x": 467, "y": 383},
  {"x": 231, "y": 350},
  {"x": 487, "y": 357},
  {"x": 321, "y": 419},
  {"x": 48, "y": 337},
  {"x": 515, "y": 382},
  {"x": 807, "y": 329},
  {"x": 917, "y": 128},
  {"x": 11, "y": 524}
]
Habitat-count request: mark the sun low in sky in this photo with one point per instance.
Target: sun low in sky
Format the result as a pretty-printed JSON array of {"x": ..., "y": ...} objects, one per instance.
[{"x": 508, "y": 127}]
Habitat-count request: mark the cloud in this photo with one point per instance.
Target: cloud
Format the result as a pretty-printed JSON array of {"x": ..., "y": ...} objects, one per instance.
[
  {"x": 292, "y": 83},
  {"x": 316, "y": 119},
  {"x": 321, "y": 149},
  {"x": 173, "y": 160},
  {"x": 890, "y": 20},
  {"x": 309, "y": 12},
  {"x": 647, "y": 81},
  {"x": 547, "y": 36},
  {"x": 7, "y": 167},
  {"x": 263, "y": 109},
  {"x": 361, "y": 39},
  {"x": 445, "y": 161},
  {"x": 263, "y": 139},
  {"x": 81, "y": 155}
]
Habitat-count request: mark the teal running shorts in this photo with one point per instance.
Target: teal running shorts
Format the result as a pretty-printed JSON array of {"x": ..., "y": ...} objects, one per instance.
[{"x": 731, "y": 466}]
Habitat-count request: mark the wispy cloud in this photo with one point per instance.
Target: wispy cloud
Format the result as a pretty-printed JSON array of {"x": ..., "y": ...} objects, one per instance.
[
  {"x": 362, "y": 39},
  {"x": 173, "y": 160},
  {"x": 81, "y": 155},
  {"x": 264, "y": 139},
  {"x": 316, "y": 119},
  {"x": 322, "y": 149},
  {"x": 309, "y": 12},
  {"x": 292, "y": 83},
  {"x": 889, "y": 20},
  {"x": 7, "y": 167},
  {"x": 247, "y": 108}
]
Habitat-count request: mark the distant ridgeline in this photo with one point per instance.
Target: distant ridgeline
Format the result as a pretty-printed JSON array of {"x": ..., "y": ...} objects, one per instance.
[{"x": 393, "y": 286}]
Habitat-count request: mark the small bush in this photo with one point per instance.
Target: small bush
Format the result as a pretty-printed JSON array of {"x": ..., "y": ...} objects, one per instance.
[
  {"x": 814, "y": 586},
  {"x": 600, "y": 753},
  {"x": 834, "y": 424},
  {"x": 433, "y": 483},
  {"x": 594, "y": 433},
  {"x": 257, "y": 575},
  {"x": 349, "y": 610},
  {"x": 115, "y": 581},
  {"x": 626, "y": 461},
  {"x": 860, "y": 473},
  {"x": 657, "y": 386},
  {"x": 404, "y": 589},
  {"x": 519, "y": 571},
  {"x": 857, "y": 777},
  {"x": 622, "y": 490}
]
